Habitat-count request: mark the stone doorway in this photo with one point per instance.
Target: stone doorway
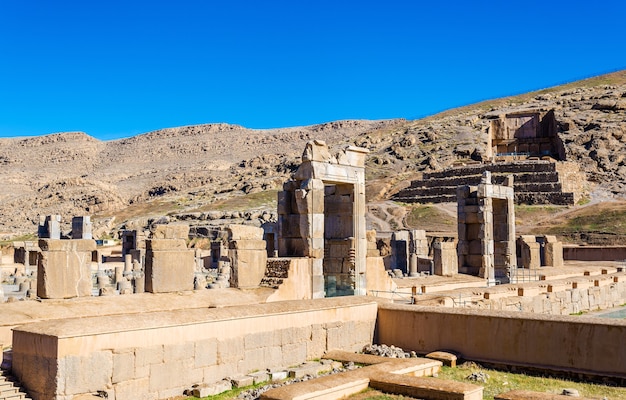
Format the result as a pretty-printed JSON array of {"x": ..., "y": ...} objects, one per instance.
[
  {"x": 321, "y": 215},
  {"x": 339, "y": 244}
]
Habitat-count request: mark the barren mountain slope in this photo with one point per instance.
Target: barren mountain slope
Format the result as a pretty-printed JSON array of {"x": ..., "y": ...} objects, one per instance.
[
  {"x": 75, "y": 174},
  {"x": 194, "y": 166}
]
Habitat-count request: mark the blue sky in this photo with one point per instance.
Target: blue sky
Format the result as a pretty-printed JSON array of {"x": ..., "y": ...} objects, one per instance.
[{"x": 119, "y": 68}]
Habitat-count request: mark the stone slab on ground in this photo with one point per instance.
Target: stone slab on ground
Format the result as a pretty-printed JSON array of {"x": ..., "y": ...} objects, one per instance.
[
  {"x": 426, "y": 387},
  {"x": 242, "y": 381},
  {"x": 259, "y": 377},
  {"x": 448, "y": 359},
  {"x": 213, "y": 389},
  {"x": 337, "y": 386}
]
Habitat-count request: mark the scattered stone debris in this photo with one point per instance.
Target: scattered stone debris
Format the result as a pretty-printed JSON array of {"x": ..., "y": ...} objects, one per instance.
[
  {"x": 254, "y": 394},
  {"x": 387, "y": 351},
  {"x": 479, "y": 376}
]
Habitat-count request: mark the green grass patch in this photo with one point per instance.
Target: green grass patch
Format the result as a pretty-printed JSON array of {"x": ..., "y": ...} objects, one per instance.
[
  {"x": 266, "y": 198},
  {"x": 231, "y": 394},
  {"x": 421, "y": 215},
  {"x": 22, "y": 238},
  {"x": 500, "y": 382},
  {"x": 605, "y": 221}
]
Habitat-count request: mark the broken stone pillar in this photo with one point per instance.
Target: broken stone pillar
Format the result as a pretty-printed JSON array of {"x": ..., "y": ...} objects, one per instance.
[
  {"x": 169, "y": 264},
  {"x": 486, "y": 229},
  {"x": 445, "y": 258},
  {"x": 119, "y": 273},
  {"x": 530, "y": 252},
  {"x": 553, "y": 252},
  {"x": 81, "y": 227},
  {"x": 248, "y": 255},
  {"x": 139, "y": 282},
  {"x": 49, "y": 227},
  {"x": 372, "y": 249},
  {"x": 128, "y": 263},
  {"x": 64, "y": 268},
  {"x": 418, "y": 249}
]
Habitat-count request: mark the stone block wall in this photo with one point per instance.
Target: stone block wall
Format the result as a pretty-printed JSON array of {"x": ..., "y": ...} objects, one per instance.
[
  {"x": 569, "y": 344},
  {"x": 158, "y": 355},
  {"x": 563, "y": 302}
]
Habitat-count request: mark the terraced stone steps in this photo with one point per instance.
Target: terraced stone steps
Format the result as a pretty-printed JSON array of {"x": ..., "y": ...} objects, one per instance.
[
  {"x": 535, "y": 182},
  {"x": 10, "y": 388}
]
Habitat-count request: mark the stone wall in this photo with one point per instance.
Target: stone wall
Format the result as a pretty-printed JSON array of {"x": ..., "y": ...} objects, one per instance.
[
  {"x": 594, "y": 253},
  {"x": 159, "y": 355},
  {"x": 581, "y": 345},
  {"x": 556, "y": 299}
]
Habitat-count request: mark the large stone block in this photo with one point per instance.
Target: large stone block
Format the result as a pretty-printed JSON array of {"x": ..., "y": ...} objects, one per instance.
[
  {"x": 67, "y": 245},
  {"x": 205, "y": 353},
  {"x": 169, "y": 271},
  {"x": 248, "y": 267},
  {"x": 244, "y": 232},
  {"x": 445, "y": 258},
  {"x": 248, "y": 244},
  {"x": 170, "y": 231},
  {"x": 165, "y": 244},
  {"x": 554, "y": 254},
  {"x": 85, "y": 374},
  {"x": 64, "y": 274}
]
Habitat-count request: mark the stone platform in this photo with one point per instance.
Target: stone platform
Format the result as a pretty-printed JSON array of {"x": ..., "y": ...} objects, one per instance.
[{"x": 535, "y": 182}]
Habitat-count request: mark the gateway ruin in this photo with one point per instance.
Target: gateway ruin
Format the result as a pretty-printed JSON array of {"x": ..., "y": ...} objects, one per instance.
[{"x": 147, "y": 323}]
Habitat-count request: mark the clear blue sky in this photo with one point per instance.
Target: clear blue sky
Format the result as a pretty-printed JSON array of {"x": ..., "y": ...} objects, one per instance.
[{"x": 119, "y": 68}]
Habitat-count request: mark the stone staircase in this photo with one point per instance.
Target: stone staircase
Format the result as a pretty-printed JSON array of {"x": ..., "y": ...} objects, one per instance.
[
  {"x": 276, "y": 272},
  {"x": 10, "y": 388},
  {"x": 535, "y": 182}
]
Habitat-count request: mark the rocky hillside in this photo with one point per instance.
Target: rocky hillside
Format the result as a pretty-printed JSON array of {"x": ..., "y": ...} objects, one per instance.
[{"x": 204, "y": 167}]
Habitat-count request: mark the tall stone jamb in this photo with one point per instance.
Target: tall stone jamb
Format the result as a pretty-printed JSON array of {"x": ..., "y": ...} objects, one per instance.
[
  {"x": 486, "y": 229},
  {"x": 553, "y": 251},
  {"x": 170, "y": 264},
  {"x": 82, "y": 227},
  {"x": 64, "y": 268},
  {"x": 445, "y": 258},
  {"x": 247, "y": 252},
  {"x": 321, "y": 215},
  {"x": 49, "y": 227}
]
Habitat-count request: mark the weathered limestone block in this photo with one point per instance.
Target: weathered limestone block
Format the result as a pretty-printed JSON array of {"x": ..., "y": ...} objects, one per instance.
[
  {"x": 169, "y": 266},
  {"x": 248, "y": 255},
  {"x": 170, "y": 231},
  {"x": 63, "y": 270},
  {"x": 530, "y": 256},
  {"x": 445, "y": 258},
  {"x": 553, "y": 252},
  {"x": 244, "y": 232}
]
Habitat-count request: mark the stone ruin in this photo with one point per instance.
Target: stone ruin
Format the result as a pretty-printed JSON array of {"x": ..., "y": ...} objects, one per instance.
[
  {"x": 486, "y": 230},
  {"x": 523, "y": 133},
  {"x": 321, "y": 229},
  {"x": 321, "y": 215},
  {"x": 522, "y": 142},
  {"x": 170, "y": 264},
  {"x": 539, "y": 251}
]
